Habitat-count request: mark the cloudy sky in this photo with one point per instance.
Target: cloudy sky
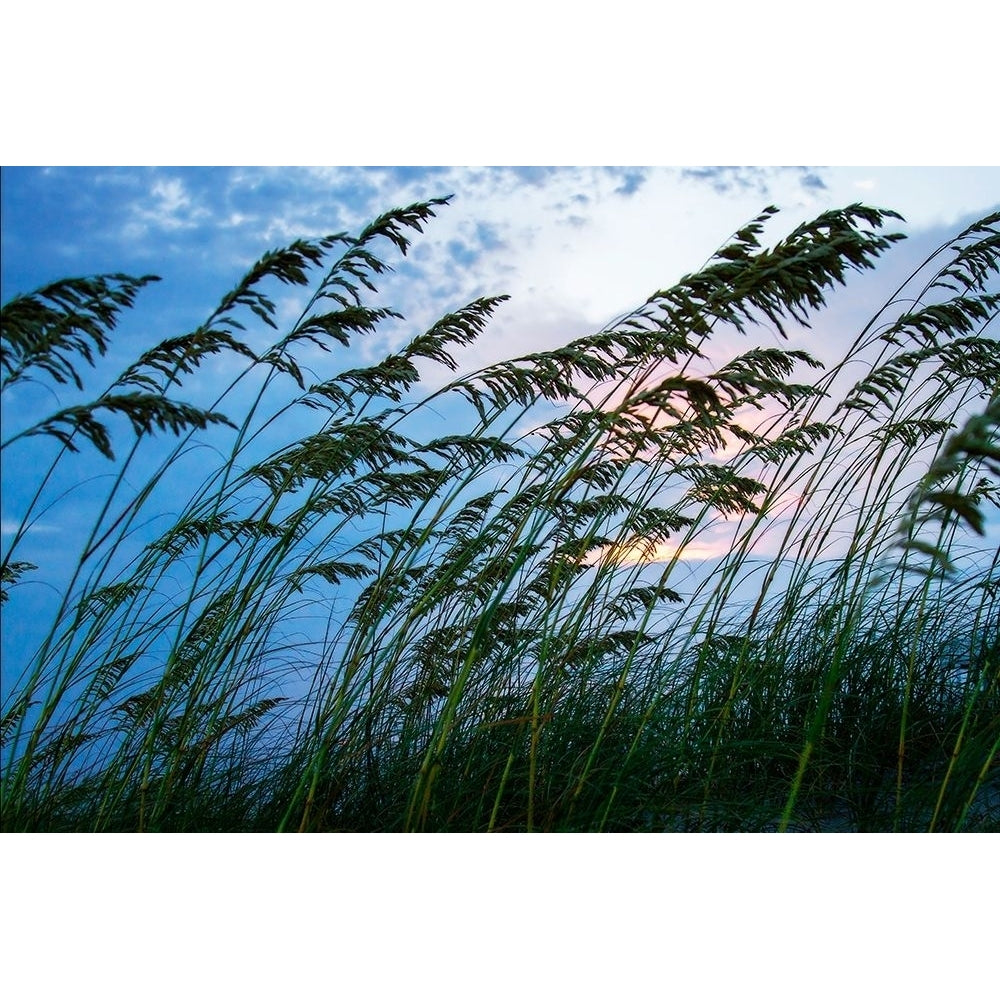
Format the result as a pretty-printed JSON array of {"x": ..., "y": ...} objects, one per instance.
[{"x": 574, "y": 247}]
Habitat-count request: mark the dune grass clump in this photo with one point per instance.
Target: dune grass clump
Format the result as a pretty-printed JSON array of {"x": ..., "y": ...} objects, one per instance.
[{"x": 326, "y": 598}]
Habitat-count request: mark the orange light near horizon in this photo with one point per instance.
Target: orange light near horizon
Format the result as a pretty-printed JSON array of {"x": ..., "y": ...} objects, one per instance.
[{"x": 637, "y": 553}]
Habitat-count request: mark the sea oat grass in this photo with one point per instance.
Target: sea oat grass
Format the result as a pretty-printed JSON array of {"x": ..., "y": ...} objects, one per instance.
[{"x": 301, "y": 605}]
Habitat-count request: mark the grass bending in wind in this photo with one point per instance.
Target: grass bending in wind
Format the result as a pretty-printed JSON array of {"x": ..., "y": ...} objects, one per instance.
[{"x": 351, "y": 624}]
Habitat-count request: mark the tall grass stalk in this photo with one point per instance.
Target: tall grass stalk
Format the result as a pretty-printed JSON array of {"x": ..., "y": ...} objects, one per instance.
[{"x": 301, "y": 606}]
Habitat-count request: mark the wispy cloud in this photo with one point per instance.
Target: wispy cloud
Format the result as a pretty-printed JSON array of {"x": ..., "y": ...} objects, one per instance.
[
  {"x": 167, "y": 206},
  {"x": 10, "y": 528}
]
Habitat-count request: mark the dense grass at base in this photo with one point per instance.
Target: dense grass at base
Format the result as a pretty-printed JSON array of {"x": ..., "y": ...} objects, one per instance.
[
  {"x": 373, "y": 625},
  {"x": 599, "y": 755},
  {"x": 599, "y": 758}
]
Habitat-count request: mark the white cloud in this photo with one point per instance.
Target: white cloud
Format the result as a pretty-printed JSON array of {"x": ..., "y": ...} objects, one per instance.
[
  {"x": 574, "y": 247},
  {"x": 574, "y": 250},
  {"x": 167, "y": 206},
  {"x": 10, "y": 528},
  {"x": 171, "y": 195}
]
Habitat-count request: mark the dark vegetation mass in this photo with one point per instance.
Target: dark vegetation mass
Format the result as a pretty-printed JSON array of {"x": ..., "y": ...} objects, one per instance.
[{"x": 293, "y": 607}]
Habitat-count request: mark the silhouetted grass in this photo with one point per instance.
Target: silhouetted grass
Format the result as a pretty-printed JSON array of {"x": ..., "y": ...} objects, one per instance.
[{"x": 374, "y": 608}]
